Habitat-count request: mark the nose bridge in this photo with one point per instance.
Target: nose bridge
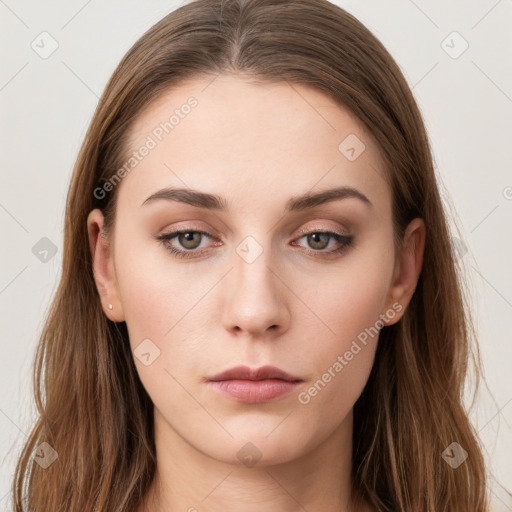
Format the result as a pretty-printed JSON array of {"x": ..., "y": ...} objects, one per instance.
[{"x": 256, "y": 300}]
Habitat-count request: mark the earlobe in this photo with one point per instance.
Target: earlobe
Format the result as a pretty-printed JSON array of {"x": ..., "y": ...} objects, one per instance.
[
  {"x": 103, "y": 267},
  {"x": 408, "y": 267}
]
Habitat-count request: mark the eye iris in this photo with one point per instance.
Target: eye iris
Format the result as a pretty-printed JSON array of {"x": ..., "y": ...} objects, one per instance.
[
  {"x": 313, "y": 240},
  {"x": 187, "y": 238}
]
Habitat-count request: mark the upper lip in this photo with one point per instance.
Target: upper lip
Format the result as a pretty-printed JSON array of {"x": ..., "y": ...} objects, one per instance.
[{"x": 246, "y": 373}]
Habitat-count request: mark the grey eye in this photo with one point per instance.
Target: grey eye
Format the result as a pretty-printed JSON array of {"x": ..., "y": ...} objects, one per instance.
[
  {"x": 315, "y": 240},
  {"x": 190, "y": 239}
]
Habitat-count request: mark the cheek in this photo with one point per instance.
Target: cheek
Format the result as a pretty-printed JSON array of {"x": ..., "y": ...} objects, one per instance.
[
  {"x": 352, "y": 297},
  {"x": 160, "y": 304},
  {"x": 350, "y": 304},
  {"x": 153, "y": 293}
]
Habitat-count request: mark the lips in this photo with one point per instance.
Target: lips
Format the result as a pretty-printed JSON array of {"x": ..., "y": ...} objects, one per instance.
[
  {"x": 246, "y": 373},
  {"x": 253, "y": 386}
]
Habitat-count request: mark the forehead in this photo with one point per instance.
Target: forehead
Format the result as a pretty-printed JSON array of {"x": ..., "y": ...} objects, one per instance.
[{"x": 231, "y": 135}]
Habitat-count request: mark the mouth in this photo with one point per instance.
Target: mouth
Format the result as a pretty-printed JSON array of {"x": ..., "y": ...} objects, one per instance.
[{"x": 257, "y": 385}]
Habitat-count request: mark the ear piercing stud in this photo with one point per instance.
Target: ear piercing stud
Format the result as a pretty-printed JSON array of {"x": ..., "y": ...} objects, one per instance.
[{"x": 110, "y": 306}]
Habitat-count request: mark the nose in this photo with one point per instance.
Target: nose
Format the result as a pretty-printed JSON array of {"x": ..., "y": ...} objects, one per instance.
[{"x": 256, "y": 298}]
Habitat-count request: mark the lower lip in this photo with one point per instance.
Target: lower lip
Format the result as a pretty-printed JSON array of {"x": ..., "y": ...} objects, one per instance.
[{"x": 254, "y": 391}]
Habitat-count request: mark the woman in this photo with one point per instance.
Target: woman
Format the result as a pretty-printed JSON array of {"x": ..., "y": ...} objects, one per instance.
[{"x": 259, "y": 306}]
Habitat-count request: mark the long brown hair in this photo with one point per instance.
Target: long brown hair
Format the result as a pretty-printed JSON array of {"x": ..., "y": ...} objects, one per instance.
[{"x": 93, "y": 409}]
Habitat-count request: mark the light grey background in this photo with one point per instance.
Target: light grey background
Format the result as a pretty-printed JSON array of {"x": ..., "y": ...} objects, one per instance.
[{"x": 47, "y": 103}]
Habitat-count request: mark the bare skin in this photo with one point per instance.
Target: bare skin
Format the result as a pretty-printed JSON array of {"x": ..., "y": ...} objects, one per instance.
[{"x": 294, "y": 306}]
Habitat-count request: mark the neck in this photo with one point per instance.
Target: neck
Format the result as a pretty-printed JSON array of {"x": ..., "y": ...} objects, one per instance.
[{"x": 188, "y": 479}]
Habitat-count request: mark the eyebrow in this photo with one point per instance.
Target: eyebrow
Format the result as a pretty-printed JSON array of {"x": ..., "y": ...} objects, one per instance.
[{"x": 218, "y": 203}]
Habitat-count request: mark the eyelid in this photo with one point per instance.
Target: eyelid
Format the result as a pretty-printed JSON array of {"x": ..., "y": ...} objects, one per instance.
[
  {"x": 323, "y": 229},
  {"x": 341, "y": 237},
  {"x": 302, "y": 231},
  {"x": 173, "y": 233}
]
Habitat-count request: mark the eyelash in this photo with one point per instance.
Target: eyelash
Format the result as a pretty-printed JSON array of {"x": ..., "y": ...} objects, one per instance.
[{"x": 345, "y": 240}]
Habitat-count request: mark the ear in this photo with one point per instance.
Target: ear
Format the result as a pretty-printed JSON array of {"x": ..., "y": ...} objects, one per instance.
[
  {"x": 103, "y": 266},
  {"x": 407, "y": 269}
]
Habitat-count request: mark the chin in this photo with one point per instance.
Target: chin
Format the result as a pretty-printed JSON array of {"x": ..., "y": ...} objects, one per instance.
[{"x": 248, "y": 451}]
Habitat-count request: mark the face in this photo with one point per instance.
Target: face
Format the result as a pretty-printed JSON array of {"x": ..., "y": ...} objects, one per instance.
[{"x": 261, "y": 279}]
